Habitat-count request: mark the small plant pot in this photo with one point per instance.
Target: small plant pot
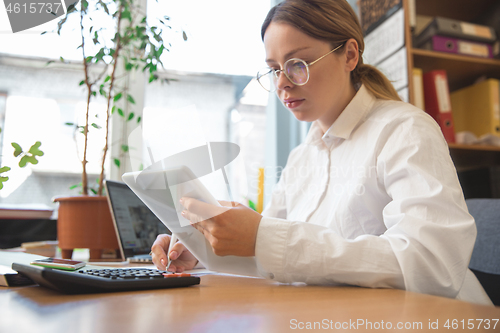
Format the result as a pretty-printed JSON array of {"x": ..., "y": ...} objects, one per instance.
[{"x": 85, "y": 222}]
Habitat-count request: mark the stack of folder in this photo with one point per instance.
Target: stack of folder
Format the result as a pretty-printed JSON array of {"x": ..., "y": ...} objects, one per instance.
[
  {"x": 437, "y": 101},
  {"x": 453, "y": 36},
  {"x": 476, "y": 108}
]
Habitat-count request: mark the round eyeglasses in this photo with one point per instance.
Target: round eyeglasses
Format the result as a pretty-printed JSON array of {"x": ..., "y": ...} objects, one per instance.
[{"x": 296, "y": 70}]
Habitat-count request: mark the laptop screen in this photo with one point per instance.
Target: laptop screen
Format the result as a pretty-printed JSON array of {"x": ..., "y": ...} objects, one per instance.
[{"x": 136, "y": 226}]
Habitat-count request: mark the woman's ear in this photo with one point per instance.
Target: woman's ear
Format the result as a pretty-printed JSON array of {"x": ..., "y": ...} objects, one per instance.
[{"x": 352, "y": 54}]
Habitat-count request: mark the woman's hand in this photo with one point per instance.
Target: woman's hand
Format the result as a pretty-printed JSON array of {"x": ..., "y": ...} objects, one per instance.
[
  {"x": 182, "y": 258},
  {"x": 231, "y": 230}
]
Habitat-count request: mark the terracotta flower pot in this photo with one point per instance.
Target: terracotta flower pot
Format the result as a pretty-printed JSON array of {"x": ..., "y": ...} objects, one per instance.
[{"x": 85, "y": 222}]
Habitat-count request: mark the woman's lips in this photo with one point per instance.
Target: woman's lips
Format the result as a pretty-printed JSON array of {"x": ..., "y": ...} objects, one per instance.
[{"x": 293, "y": 102}]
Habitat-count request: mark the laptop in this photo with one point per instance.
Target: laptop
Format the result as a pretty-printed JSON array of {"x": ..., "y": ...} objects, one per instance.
[{"x": 135, "y": 224}]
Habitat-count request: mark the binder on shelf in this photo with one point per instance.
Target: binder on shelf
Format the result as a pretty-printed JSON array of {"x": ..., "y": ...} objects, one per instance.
[
  {"x": 458, "y": 46},
  {"x": 458, "y": 29},
  {"x": 418, "y": 88},
  {"x": 476, "y": 108},
  {"x": 437, "y": 102}
]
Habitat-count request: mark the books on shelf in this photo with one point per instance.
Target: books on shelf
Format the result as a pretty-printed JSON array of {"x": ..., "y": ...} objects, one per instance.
[
  {"x": 437, "y": 102},
  {"x": 418, "y": 88},
  {"x": 476, "y": 108},
  {"x": 25, "y": 211},
  {"x": 458, "y": 46},
  {"x": 459, "y": 37},
  {"x": 454, "y": 28}
]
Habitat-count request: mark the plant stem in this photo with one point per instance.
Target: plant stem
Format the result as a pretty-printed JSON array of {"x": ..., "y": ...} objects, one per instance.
[
  {"x": 108, "y": 107},
  {"x": 85, "y": 190}
]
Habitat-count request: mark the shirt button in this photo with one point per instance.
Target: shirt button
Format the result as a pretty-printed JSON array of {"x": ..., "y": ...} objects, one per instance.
[{"x": 271, "y": 276}]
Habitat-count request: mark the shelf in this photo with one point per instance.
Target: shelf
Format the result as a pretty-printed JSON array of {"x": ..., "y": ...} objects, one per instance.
[
  {"x": 458, "y": 146},
  {"x": 453, "y": 9},
  {"x": 467, "y": 157},
  {"x": 462, "y": 70}
]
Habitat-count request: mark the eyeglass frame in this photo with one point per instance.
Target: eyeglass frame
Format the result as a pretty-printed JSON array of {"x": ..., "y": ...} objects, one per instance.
[{"x": 276, "y": 71}]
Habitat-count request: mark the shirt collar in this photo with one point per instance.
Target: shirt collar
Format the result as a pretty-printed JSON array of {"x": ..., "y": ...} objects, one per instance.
[{"x": 345, "y": 124}]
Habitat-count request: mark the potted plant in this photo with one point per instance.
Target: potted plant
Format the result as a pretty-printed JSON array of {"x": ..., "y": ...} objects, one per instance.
[{"x": 133, "y": 45}]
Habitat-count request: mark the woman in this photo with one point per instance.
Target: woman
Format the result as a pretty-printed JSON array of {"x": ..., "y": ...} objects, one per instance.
[{"x": 371, "y": 198}]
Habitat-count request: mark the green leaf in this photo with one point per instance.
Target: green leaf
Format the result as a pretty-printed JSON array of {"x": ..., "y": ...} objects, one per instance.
[
  {"x": 69, "y": 124},
  {"x": 117, "y": 97},
  {"x": 82, "y": 82},
  {"x": 85, "y": 4},
  {"x": 130, "y": 99},
  {"x": 94, "y": 125},
  {"x": 104, "y": 6},
  {"x": 94, "y": 93},
  {"x": 89, "y": 58},
  {"x": 125, "y": 148},
  {"x": 117, "y": 162},
  {"x": 130, "y": 116},
  {"x": 102, "y": 92},
  {"x": 113, "y": 109},
  {"x": 107, "y": 78},
  {"x": 120, "y": 112},
  {"x": 126, "y": 15},
  {"x": 93, "y": 191},
  {"x": 4, "y": 169},
  {"x": 3, "y": 180},
  {"x": 61, "y": 59},
  {"x": 251, "y": 204},
  {"x": 71, "y": 8},
  {"x": 129, "y": 66},
  {"x": 72, "y": 187},
  {"x": 139, "y": 119},
  {"x": 27, "y": 159},
  {"x": 35, "y": 151},
  {"x": 152, "y": 77},
  {"x": 17, "y": 149}
]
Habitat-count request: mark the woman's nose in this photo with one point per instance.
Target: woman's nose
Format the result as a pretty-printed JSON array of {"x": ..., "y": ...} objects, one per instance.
[{"x": 282, "y": 81}]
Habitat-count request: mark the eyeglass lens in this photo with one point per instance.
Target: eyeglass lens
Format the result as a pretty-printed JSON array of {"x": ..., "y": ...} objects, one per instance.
[{"x": 296, "y": 71}]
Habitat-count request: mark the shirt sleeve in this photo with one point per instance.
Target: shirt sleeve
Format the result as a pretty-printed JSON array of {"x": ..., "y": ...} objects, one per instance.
[{"x": 429, "y": 238}]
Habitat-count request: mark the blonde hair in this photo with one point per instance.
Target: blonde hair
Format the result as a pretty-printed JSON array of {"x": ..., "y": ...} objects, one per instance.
[{"x": 333, "y": 21}]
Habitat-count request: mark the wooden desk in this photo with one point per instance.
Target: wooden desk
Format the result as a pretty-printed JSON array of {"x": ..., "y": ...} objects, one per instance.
[{"x": 234, "y": 304}]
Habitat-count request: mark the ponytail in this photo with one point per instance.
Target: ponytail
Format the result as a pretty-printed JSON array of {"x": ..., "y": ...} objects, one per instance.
[{"x": 375, "y": 81}]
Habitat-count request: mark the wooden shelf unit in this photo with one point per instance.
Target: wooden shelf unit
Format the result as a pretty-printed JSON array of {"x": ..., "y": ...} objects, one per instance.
[{"x": 462, "y": 70}]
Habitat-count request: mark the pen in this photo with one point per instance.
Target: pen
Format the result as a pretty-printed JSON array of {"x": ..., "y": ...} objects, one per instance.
[{"x": 173, "y": 239}]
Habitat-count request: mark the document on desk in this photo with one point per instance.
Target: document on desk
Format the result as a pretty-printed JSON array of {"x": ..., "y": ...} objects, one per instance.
[
  {"x": 150, "y": 189},
  {"x": 11, "y": 278}
]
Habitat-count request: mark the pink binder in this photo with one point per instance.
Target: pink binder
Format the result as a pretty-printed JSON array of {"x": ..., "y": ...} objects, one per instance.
[{"x": 459, "y": 46}]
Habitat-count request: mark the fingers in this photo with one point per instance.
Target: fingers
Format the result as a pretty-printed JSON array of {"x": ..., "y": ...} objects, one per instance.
[
  {"x": 229, "y": 203},
  {"x": 198, "y": 210},
  {"x": 158, "y": 251}
]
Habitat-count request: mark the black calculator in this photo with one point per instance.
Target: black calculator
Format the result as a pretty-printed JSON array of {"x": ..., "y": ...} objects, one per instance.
[{"x": 98, "y": 280}]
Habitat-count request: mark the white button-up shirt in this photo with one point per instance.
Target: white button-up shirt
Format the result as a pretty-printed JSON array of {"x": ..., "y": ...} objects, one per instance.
[{"x": 374, "y": 202}]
